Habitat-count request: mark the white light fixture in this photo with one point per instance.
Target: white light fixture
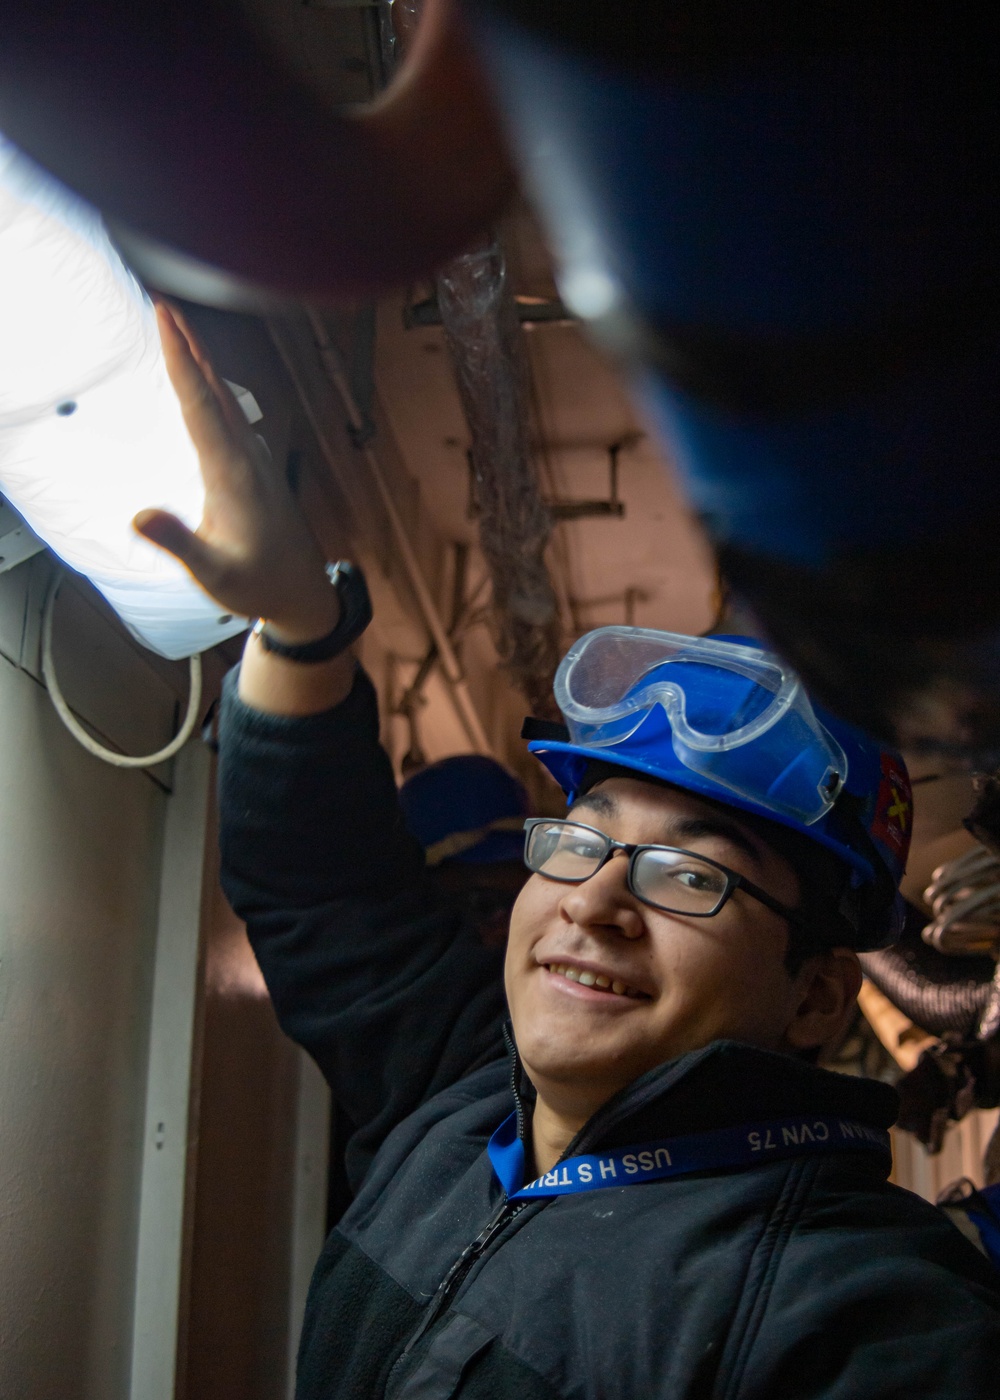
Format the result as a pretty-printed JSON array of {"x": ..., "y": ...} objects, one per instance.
[{"x": 90, "y": 428}]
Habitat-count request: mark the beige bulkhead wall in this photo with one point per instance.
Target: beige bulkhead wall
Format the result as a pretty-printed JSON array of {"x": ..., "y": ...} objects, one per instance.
[{"x": 80, "y": 857}]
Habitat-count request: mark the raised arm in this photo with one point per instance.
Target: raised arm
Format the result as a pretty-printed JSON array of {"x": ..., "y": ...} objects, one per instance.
[
  {"x": 392, "y": 995},
  {"x": 253, "y": 551}
]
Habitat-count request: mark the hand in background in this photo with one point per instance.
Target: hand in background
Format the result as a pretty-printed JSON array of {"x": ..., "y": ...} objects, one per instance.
[{"x": 253, "y": 551}]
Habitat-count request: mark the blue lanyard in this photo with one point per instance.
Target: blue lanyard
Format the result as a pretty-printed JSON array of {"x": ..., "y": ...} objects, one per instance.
[
  {"x": 987, "y": 1222},
  {"x": 746, "y": 1146}
]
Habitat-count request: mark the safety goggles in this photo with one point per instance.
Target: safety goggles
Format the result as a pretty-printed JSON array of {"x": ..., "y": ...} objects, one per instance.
[
  {"x": 735, "y": 714},
  {"x": 667, "y": 878}
]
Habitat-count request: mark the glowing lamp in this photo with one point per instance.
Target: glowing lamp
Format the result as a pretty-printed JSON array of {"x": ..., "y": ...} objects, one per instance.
[{"x": 90, "y": 428}]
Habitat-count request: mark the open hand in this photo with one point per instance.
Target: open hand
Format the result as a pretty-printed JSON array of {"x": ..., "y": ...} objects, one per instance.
[{"x": 253, "y": 551}]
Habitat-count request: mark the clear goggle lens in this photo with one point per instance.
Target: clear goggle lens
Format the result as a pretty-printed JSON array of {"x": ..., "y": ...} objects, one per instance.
[{"x": 736, "y": 714}]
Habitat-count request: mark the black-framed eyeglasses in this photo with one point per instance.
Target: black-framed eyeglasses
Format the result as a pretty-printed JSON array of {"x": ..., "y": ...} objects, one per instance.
[{"x": 667, "y": 878}]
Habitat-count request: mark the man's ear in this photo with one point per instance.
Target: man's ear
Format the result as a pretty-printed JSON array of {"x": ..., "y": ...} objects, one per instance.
[{"x": 826, "y": 988}]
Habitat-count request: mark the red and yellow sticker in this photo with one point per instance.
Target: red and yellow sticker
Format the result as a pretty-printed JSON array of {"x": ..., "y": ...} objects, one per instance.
[{"x": 894, "y": 808}]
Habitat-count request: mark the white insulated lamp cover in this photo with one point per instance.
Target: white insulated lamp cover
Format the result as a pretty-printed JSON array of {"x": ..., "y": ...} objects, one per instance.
[{"x": 90, "y": 428}]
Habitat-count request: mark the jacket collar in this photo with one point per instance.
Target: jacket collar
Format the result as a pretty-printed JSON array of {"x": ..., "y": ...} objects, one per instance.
[{"x": 722, "y": 1085}]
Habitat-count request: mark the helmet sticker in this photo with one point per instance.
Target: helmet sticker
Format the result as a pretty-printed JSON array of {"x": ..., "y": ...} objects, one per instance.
[{"x": 894, "y": 807}]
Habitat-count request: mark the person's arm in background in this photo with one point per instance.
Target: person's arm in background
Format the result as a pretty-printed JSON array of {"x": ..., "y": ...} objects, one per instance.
[{"x": 391, "y": 996}]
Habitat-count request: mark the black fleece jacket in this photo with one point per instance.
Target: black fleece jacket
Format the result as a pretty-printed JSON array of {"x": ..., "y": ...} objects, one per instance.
[{"x": 809, "y": 1277}]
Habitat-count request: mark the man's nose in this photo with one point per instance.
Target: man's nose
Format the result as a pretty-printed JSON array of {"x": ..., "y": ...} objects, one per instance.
[{"x": 605, "y": 901}]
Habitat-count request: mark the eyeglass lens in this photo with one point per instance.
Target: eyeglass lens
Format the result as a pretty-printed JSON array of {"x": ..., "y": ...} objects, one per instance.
[{"x": 672, "y": 880}]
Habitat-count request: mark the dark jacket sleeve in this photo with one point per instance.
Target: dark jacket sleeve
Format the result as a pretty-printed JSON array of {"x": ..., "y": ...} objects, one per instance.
[
  {"x": 874, "y": 1295},
  {"x": 389, "y": 990}
]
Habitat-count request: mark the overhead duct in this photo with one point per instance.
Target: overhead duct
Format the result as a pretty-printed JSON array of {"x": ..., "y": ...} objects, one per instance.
[{"x": 225, "y": 171}]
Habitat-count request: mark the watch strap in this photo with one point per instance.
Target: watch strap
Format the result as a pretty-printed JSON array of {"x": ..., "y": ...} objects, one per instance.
[{"x": 355, "y": 615}]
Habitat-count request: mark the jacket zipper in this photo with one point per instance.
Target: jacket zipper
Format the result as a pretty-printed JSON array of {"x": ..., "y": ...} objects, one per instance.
[
  {"x": 506, "y": 1211},
  {"x": 455, "y": 1276},
  {"x": 515, "y": 1077}
]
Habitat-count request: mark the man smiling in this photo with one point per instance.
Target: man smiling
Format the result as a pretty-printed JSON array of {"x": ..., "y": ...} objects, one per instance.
[
  {"x": 602, "y": 987},
  {"x": 651, "y": 1191}
]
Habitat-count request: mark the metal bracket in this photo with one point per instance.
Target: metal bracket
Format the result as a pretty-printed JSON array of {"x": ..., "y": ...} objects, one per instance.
[
  {"x": 630, "y": 599},
  {"x": 531, "y": 311},
  {"x": 612, "y": 508}
]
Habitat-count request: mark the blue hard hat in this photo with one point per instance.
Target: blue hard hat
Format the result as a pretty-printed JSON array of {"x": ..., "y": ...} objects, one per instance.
[
  {"x": 468, "y": 809},
  {"x": 864, "y": 820}
]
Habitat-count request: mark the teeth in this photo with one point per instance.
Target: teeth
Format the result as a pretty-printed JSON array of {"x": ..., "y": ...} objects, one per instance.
[{"x": 594, "y": 979}]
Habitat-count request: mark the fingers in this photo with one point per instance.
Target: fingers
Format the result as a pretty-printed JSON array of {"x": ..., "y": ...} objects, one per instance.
[
  {"x": 203, "y": 416},
  {"x": 231, "y": 410},
  {"x": 167, "y": 310},
  {"x": 165, "y": 530},
  {"x": 217, "y": 440}
]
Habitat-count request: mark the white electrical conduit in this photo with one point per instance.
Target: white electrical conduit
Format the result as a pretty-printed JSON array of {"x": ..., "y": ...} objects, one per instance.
[
  {"x": 118, "y": 760},
  {"x": 965, "y": 898},
  {"x": 450, "y": 664}
]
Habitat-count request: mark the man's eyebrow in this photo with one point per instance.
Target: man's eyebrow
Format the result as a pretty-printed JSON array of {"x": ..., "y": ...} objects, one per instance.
[
  {"x": 597, "y": 801},
  {"x": 680, "y": 829},
  {"x": 691, "y": 828}
]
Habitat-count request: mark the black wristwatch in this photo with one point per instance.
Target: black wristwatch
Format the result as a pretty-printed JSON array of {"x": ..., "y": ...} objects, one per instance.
[{"x": 355, "y": 615}]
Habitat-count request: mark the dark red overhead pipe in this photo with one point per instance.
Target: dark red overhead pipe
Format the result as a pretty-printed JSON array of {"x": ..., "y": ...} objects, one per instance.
[{"x": 179, "y": 122}]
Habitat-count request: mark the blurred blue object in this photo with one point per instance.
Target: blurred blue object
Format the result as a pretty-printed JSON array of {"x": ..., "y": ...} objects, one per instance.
[
  {"x": 785, "y": 220},
  {"x": 987, "y": 1221},
  {"x": 793, "y": 244},
  {"x": 467, "y": 809}
]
